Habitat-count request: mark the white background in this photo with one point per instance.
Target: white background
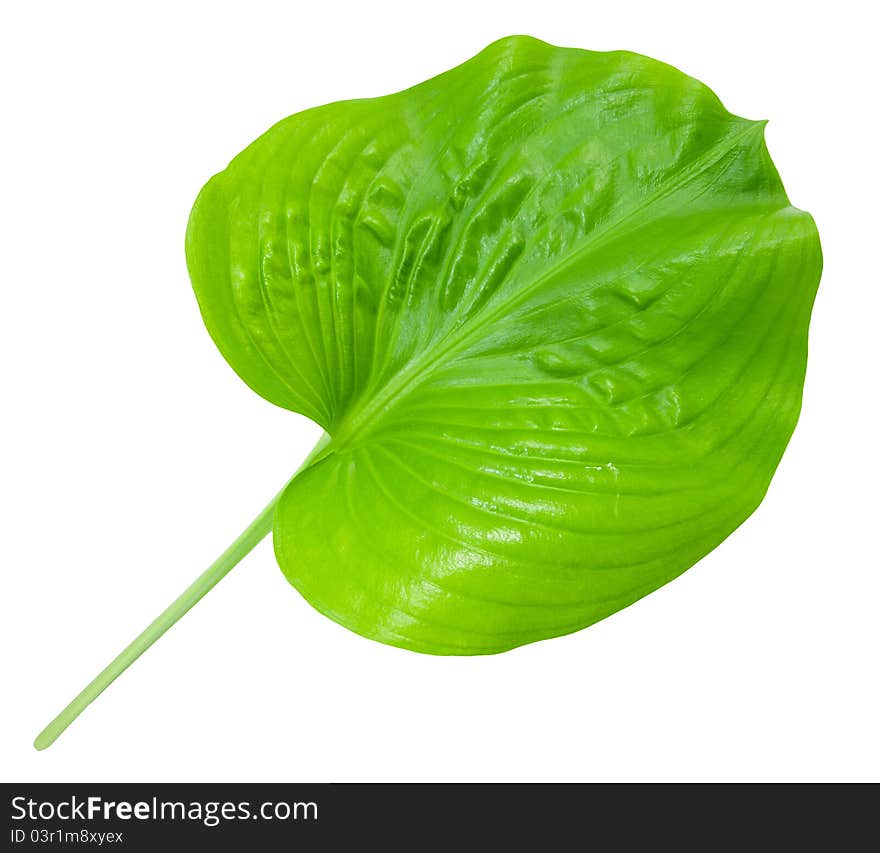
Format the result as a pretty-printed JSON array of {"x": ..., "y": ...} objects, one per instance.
[{"x": 132, "y": 454}]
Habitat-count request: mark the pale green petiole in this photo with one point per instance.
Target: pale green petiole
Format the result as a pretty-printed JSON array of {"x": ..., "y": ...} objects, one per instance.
[{"x": 240, "y": 548}]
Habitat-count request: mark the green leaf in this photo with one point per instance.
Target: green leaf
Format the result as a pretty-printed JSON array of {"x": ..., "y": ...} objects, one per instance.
[{"x": 552, "y": 308}]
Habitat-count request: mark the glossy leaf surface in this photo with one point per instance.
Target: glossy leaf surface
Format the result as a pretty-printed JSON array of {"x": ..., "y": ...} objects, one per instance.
[{"x": 552, "y": 308}]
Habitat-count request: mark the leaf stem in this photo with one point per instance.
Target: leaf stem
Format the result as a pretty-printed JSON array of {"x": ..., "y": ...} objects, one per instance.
[{"x": 255, "y": 532}]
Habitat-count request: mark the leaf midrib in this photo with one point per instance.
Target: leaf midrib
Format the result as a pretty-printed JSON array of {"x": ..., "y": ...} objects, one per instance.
[{"x": 360, "y": 420}]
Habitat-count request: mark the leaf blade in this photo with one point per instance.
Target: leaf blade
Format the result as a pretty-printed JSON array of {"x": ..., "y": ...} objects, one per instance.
[{"x": 551, "y": 305}]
